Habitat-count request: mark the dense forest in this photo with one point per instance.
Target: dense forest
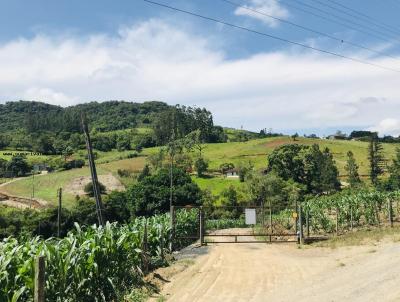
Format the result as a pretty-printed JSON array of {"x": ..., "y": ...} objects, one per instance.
[{"x": 50, "y": 129}]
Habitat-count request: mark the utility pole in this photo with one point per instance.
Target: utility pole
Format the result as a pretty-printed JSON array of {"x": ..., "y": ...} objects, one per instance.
[
  {"x": 93, "y": 172},
  {"x": 59, "y": 195}
]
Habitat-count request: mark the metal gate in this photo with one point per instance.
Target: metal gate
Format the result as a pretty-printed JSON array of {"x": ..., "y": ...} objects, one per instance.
[{"x": 233, "y": 225}]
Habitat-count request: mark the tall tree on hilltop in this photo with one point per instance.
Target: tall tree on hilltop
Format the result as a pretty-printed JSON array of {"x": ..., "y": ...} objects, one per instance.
[
  {"x": 352, "y": 170},
  {"x": 376, "y": 159}
]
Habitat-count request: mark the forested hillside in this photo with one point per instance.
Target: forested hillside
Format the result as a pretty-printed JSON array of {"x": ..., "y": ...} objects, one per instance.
[{"x": 50, "y": 129}]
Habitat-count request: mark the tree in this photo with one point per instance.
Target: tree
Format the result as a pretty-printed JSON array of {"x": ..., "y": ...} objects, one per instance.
[
  {"x": 295, "y": 136},
  {"x": 376, "y": 159},
  {"x": 201, "y": 166},
  {"x": 243, "y": 169},
  {"x": 287, "y": 162},
  {"x": 351, "y": 168},
  {"x": 18, "y": 165},
  {"x": 123, "y": 142},
  {"x": 393, "y": 182},
  {"x": 151, "y": 195},
  {"x": 145, "y": 172},
  {"x": 226, "y": 167},
  {"x": 116, "y": 207},
  {"x": 89, "y": 189},
  {"x": 229, "y": 198},
  {"x": 268, "y": 188},
  {"x": 44, "y": 145},
  {"x": 3, "y": 167},
  {"x": 305, "y": 165}
]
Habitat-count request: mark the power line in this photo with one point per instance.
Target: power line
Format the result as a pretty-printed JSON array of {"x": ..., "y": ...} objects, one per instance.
[
  {"x": 309, "y": 29},
  {"x": 388, "y": 35},
  {"x": 368, "y": 33},
  {"x": 370, "y": 29},
  {"x": 354, "y": 16},
  {"x": 375, "y": 21},
  {"x": 270, "y": 36}
]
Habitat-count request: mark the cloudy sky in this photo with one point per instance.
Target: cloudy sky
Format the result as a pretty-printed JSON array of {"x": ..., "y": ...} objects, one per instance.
[{"x": 71, "y": 51}]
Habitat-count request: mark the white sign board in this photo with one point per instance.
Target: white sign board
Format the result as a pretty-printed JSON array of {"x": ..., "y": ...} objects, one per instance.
[{"x": 250, "y": 215}]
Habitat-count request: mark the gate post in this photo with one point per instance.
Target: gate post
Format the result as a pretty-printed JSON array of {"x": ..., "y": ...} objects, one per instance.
[
  {"x": 390, "y": 210},
  {"x": 202, "y": 226},
  {"x": 300, "y": 225}
]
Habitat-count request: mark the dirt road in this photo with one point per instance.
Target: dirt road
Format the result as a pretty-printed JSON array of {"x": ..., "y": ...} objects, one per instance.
[{"x": 261, "y": 272}]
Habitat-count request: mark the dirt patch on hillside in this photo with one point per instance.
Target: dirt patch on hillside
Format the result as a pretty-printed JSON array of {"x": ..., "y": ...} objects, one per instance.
[
  {"x": 282, "y": 272},
  {"x": 285, "y": 141},
  {"x": 77, "y": 185},
  {"x": 22, "y": 203}
]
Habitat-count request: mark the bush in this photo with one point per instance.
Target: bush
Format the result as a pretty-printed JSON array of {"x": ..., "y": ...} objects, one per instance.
[
  {"x": 76, "y": 163},
  {"x": 89, "y": 189}
]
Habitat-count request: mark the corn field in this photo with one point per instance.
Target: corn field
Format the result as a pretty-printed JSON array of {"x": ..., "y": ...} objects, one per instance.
[
  {"x": 90, "y": 264},
  {"x": 348, "y": 210}
]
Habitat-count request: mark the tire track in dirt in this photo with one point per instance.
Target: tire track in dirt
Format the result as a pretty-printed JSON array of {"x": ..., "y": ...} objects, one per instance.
[{"x": 257, "y": 272}]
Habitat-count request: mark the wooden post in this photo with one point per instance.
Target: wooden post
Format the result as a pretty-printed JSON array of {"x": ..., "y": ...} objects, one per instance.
[
  {"x": 296, "y": 222},
  {"x": 145, "y": 261},
  {"x": 270, "y": 216},
  {"x": 59, "y": 213},
  {"x": 162, "y": 242},
  {"x": 40, "y": 267},
  {"x": 390, "y": 210},
  {"x": 377, "y": 214},
  {"x": 351, "y": 217},
  {"x": 202, "y": 227},
  {"x": 300, "y": 225},
  {"x": 337, "y": 221},
  {"x": 308, "y": 222}
]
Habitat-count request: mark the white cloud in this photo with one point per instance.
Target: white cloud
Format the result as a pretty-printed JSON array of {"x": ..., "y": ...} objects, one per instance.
[
  {"x": 388, "y": 126},
  {"x": 266, "y": 7},
  {"x": 156, "y": 61}
]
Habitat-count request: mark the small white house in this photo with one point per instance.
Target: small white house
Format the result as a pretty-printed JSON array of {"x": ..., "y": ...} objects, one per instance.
[{"x": 232, "y": 173}]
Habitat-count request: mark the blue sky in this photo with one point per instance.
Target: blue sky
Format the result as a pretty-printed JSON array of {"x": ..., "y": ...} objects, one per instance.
[{"x": 67, "y": 52}]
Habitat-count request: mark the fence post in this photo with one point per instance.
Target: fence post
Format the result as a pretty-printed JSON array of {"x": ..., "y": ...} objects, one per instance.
[
  {"x": 308, "y": 222},
  {"x": 59, "y": 194},
  {"x": 202, "y": 227},
  {"x": 337, "y": 221},
  {"x": 390, "y": 210},
  {"x": 40, "y": 267},
  {"x": 145, "y": 261},
  {"x": 162, "y": 241},
  {"x": 377, "y": 214},
  {"x": 351, "y": 217},
  {"x": 300, "y": 225},
  {"x": 270, "y": 216}
]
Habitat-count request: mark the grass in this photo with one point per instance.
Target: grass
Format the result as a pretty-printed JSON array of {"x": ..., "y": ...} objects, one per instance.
[
  {"x": 362, "y": 237},
  {"x": 46, "y": 186},
  {"x": 32, "y": 158},
  {"x": 257, "y": 150},
  {"x": 217, "y": 184}
]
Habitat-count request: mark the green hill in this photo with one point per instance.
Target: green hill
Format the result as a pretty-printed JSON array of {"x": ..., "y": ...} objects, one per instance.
[{"x": 255, "y": 151}]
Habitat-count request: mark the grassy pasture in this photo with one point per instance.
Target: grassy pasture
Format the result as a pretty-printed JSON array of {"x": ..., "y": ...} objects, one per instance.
[{"x": 255, "y": 151}]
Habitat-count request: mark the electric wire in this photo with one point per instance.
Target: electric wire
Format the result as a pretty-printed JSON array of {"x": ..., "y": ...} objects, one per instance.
[
  {"x": 269, "y": 35},
  {"x": 309, "y": 29}
]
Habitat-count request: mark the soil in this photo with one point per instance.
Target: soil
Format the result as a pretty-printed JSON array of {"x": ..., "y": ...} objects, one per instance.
[
  {"x": 77, "y": 185},
  {"x": 282, "y": 272}
]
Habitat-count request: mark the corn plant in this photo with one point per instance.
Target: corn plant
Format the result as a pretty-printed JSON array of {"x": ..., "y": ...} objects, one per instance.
[{"x": 89, "y": 264}]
